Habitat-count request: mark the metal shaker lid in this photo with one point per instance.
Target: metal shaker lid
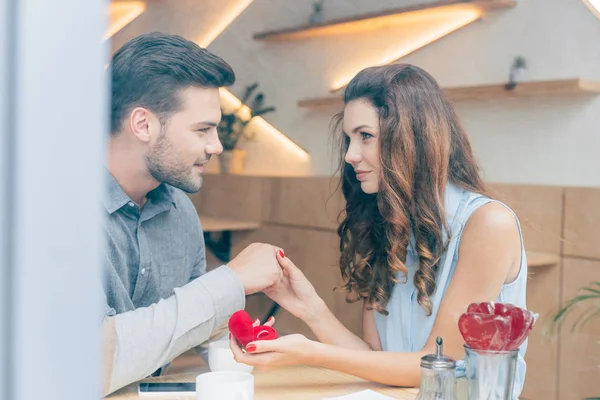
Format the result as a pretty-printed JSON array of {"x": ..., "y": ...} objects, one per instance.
[{"x": 438, "y": 361}]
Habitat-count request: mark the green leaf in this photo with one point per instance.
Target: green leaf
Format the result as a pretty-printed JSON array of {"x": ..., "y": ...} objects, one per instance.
[
  {"x": 583, "y": 314},
  {"x": 573, "y": 302},
  {"x": 597, "y": 313},
  {"x": 591, "y": 290},
  {"x": 248, "y": 92}
]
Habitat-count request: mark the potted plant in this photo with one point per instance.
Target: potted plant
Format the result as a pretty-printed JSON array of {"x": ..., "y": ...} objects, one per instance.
[
  {"x": 234, "y": 125},
  {"x": 588, "y": 295}
]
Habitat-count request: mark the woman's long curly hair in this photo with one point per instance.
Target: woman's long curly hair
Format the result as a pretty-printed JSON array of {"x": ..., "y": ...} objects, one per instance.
[{"x": 422, "y": 147}]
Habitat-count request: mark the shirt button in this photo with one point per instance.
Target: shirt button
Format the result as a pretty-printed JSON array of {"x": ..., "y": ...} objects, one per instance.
[
  {"x": 143, "y": 271},
  {"x": 131, "y": 204}
]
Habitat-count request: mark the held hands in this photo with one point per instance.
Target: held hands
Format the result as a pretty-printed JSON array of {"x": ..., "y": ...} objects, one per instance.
[
  {"x": 294, "y": 292},
  {"x": 262, "y": 267},
  {"x": 298, "y": 296},
  {"x": 257, "y": 267}
]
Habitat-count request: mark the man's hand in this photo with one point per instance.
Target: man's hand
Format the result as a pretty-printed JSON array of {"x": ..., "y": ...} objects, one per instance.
[{"x": 257, "y": 267}]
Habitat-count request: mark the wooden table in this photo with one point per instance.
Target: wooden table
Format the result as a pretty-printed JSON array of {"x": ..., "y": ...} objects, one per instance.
[{"x": 292, "y": 383}]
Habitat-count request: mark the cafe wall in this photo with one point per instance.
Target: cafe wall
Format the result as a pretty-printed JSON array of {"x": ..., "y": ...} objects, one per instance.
[{"x": 549, "y": 139}]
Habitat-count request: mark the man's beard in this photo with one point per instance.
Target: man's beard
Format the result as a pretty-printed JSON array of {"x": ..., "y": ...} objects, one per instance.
[{"x": 165, "y": 167}]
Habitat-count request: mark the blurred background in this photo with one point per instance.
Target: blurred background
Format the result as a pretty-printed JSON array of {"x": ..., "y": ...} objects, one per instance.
[{"x": 524, "y": 76}]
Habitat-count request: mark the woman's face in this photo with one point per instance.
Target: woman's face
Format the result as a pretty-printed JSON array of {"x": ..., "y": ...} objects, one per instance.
[{"x": 361, "y": 125}]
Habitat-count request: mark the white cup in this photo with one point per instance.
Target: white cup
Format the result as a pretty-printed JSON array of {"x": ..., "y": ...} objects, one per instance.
[
  {"x": 220, "y": 358},
  {"x": 225, "y": 385}
]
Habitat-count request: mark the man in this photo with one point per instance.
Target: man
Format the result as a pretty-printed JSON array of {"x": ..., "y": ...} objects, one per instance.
[{"x": 160, "y": 300}]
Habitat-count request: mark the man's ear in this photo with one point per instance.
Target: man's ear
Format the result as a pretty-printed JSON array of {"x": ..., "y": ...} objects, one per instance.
[{"x": 139, "y": 122}]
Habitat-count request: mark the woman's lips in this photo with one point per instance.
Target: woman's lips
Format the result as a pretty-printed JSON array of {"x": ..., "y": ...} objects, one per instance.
[{"x": 362, "y": 175}]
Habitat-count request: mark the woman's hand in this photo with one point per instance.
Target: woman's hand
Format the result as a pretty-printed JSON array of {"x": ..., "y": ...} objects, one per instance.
[
  {"x": 265, "y": 354},
  {"x": 294, "y": 292}
]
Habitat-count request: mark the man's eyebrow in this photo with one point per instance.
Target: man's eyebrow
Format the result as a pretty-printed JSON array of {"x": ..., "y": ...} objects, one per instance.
[{"x": 209, "y": 123}]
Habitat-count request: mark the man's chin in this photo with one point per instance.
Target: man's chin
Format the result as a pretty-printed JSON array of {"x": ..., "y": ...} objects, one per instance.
[{"x": 191, "y": 186}]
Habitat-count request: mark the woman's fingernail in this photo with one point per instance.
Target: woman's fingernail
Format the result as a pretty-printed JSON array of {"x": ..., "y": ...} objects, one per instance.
[
  {"x": 270, "y": 319},
  {"x": 230, "y": 336},
  {"x": 251, "y": 348},
  {"x": 281, "y": 254}
]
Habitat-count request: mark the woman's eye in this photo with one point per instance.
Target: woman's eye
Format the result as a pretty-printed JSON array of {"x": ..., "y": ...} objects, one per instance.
[{"x": 366, "y": 135}]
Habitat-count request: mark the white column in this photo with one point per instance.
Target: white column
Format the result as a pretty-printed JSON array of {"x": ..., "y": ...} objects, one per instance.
[
  {"x": 4, "y": 228},
  {"x": 52, "y": 135}
]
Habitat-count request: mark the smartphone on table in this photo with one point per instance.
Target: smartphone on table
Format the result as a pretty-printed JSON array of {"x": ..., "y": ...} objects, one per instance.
[{"x": 167, "y": 388}]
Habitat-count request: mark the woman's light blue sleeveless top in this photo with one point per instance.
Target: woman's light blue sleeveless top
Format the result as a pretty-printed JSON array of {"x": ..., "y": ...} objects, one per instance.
[{"x": 407, "y": 327}]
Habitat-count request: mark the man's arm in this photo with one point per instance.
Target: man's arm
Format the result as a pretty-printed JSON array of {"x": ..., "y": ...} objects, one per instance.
[
  {"x": 139, "y": 342},
  {"x": 199, "y": 269}
]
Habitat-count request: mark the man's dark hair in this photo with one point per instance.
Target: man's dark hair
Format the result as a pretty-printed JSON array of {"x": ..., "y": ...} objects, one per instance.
[{"x": 150, "y": 70}]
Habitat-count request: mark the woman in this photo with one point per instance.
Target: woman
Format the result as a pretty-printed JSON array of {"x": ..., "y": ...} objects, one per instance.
[{"x": 420, "y": 241}]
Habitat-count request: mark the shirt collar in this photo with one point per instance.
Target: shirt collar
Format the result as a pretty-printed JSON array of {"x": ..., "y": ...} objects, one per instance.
[
  {"x": 162, "y": 196},
  {"x": 116, "y": 197}
]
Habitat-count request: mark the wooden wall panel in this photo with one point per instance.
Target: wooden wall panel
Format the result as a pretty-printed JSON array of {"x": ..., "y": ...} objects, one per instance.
[
  {"x": 543, "y": 291},
  {"x": 580, "y": 349},
  {"x": 231, "y": 196},
  {"x": 539, "y": 209},
  {"x": 582, "y": 222},
  {"x": 349, "y": 314},
  {"x": 308, "y": 202}
]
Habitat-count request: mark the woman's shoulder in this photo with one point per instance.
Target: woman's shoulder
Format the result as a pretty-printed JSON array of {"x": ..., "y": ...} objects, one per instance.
[
  {"x": 475, "y": 201},
  {"x": 493, "y": 215},
  {"x": 482, "y": 213}
]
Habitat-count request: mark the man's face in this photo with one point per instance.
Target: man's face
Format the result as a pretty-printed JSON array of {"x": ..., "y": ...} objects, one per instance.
[{"x": 178, "y": 153}]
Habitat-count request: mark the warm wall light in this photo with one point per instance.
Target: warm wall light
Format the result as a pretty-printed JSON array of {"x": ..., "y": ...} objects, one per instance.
[
  {"x": 593, "y": 5},
  {"x": 228, "y": 100},
  {"x": 231, "y": 103},
  {"x": 443, "y": 25},
  {"x": 228, "y": 16},
  {"x": 121, "y": 13}
]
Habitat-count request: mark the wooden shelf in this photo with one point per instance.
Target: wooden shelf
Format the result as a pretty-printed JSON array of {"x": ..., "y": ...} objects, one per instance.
[
  {"x": 382, "y": 20},
  {"x": 316, "y": 102},
  {"x": 495, "y": 91},
  {"x": 212, "y": 224},
  {"x": 525, "y": 89},
  {"x": 536, "y": 259}
]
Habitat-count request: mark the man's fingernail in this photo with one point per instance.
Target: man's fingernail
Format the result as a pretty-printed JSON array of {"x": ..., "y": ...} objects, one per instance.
[
  {"x": 251, "y": 348},
  {"x": 281, "y": 254}
]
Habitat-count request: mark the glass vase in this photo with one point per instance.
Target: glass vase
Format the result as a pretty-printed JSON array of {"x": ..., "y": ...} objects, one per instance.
[{"x": 490, "y": 374}]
